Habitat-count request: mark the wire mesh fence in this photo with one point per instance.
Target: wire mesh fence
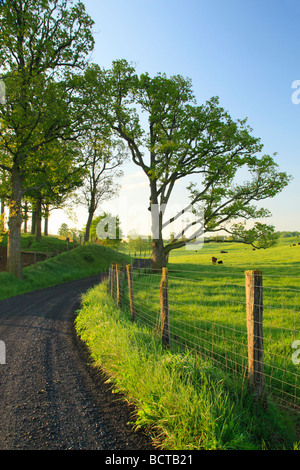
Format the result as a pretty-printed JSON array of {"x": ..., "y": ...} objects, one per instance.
[{"x": 210, "y": 316}]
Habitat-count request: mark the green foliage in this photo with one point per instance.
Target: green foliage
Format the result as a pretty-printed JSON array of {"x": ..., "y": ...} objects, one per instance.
[
  {"x": 288, "y": 234},
  {"x": 138, "y": 244},
  {"x": 183, "y": 139},
  {"x": 259, "y": 236},
  {"x": 2, "y": 224},
  {"x": 43, "y": 46},
  {"x": 110, "y": 234},
  {"x": 103, "y": 158},
  {"x": 64, "y": 230}
]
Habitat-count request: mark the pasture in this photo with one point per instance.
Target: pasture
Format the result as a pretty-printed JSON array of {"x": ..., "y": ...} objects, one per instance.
[
  {"x": 281, "y": 261},
  {"x": 207, "y": 308}
]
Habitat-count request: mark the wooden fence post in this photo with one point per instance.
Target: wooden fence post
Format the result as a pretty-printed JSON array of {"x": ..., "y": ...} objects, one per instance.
[
  {"x": 109, "y": 279},
  {"x": 164, "y": 309},
  {"x": 112, "y": 281},
  {"x": 119, "y": 283},
  {"x": 254, "y": 304},
  {"x": 130, "y": 290}
]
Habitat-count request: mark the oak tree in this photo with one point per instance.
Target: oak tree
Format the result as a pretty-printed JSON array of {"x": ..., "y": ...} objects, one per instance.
[{"x": 181, "y": 139}]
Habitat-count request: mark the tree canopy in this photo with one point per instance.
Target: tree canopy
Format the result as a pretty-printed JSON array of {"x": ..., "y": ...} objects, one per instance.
[
  {"x": 55, "y": 98},
  {"x": 182, "y": 139},
  {"x": 44, "y": 47}
]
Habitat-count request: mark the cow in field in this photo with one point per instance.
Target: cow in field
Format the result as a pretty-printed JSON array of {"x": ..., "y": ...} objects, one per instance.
[
  {"x": 220, "y": 262},
  {"x": 214, "y": 260}
]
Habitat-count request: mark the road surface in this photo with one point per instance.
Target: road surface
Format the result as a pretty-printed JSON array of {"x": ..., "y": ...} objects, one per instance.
[{"x": 51, "y": 398}]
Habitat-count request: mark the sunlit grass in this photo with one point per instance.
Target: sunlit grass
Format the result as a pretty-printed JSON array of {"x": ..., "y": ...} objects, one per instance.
[
  {"x": 50, "y": 243},
  {"x": 180, "y": 398},
  {"x": 207, "y": 307},
  {"x": 75, "y": 264}
]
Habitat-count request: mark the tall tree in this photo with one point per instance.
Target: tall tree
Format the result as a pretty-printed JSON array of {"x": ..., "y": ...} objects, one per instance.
[
  {"x": 2, "y": 216},
  {"x": 182, "y": 139},
  {"x": 49, "y": 186},
  {"x": 43, "y": 45},
  {"x": 4, "y": 194},
  {"x": 103, "y": 158}
]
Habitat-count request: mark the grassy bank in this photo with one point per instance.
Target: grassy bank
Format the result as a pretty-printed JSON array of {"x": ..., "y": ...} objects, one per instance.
[
  {"x": 78, "y": 263},
  {"x": 50, "y": 243},
  {"x": 183, "y": 401}
]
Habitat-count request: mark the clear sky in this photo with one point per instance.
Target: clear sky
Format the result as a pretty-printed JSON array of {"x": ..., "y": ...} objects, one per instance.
[{"x": 244, "y": 51}]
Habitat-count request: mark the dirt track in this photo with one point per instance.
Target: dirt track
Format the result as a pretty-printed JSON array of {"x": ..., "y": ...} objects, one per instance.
[{"x": 50, "y": 397}]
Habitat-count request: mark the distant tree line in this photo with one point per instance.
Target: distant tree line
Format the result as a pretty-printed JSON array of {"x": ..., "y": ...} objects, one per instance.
[{"x": 288, "y": 234}]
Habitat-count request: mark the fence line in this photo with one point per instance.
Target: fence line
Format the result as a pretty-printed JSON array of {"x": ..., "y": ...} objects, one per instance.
[{"x": 246, "y": 329}]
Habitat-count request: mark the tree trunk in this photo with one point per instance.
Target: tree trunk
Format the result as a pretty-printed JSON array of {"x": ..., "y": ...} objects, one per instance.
[
  {"x": 159, "y": 257},
  {"x": 33, "y": 218},
  {"x": 46, "y": 221},
  {"x": 2, "y": 213},
  {"x": 25, "y": 217},
  {"x": 38, "y": 224},
  {"x": 88, "y": 226},
  {"x": 92, "y": 208},
  {"x": 14, "y": 260}
]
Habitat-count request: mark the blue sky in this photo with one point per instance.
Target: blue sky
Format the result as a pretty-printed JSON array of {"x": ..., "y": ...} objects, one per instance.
[{"x": 244, "y": 51}]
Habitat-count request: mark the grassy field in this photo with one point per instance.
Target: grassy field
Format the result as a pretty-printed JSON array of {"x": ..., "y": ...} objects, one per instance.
[
  {"x": 200, "y": 401},
  {"x": 208, "y": 308},
  {"x": 280, "y": 264}
]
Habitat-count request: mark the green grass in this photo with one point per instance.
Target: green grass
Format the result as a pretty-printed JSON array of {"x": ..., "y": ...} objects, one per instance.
[
  {"x": 50, "y": 243},
  {"x": 278, "y": 261},
  {"x": 183, "y": 401},
  {"x": 208, "y": 308},
  {"x": 223, "y": 297},
  {"x": 78, "y": 263}
]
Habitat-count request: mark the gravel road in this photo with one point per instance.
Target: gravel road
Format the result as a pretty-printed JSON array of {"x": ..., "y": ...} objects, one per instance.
[{"x": 51, "y": 399}]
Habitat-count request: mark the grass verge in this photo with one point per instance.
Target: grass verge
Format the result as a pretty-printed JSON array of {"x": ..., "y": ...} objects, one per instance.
[
  {"x": 50, "y": 243},
  {"x": 184, "y": 403},
  {"x": 84, "y": 261}
]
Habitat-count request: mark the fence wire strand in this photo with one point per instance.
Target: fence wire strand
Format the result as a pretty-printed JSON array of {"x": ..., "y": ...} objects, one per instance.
[{"x": 208, "y": 317}]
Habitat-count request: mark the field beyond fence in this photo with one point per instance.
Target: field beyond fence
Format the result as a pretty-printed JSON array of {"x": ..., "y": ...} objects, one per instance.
[{"x": 249, "y": 328}]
